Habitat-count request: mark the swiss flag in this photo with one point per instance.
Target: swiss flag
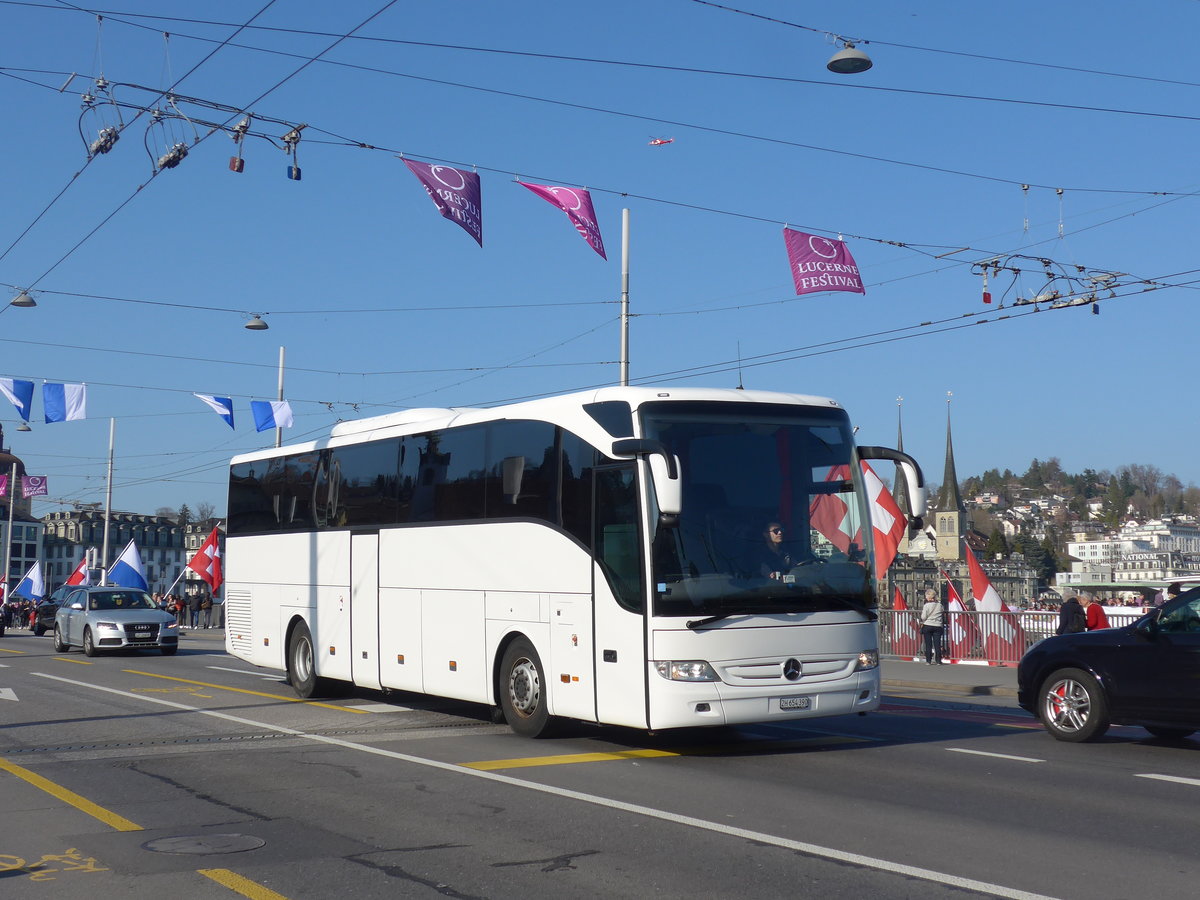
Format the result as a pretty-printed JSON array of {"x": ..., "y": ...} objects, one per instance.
[
  {"x": 1004, "y": 638},
  {"x": 207, "y": 562},
  {"x": 963, "y": 633},
  {"x": 830, "y": 515},
  {"x": 887, "y": 521},
  {"x": 81, "y": 574},
  {"x": 906, "y": 637}
]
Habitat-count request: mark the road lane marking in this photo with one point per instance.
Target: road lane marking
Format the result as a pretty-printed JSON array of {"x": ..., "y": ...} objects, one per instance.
[
  {"x": 240, "y": 885},
  {"x": 221, "y": 687},
  {"x": 1195, "y": 782},
  {"x": 253, "y": 673},
  {"x": 995, "y": 755},
  {"x": 8, "y": 694},
  {"x": 856, "y": 859},
  {"x": 120, "y": 823},
  {"x": 71, "y": 659},
  {"x": 566, "y": 759},
  {"x": 17, "y": 652}
]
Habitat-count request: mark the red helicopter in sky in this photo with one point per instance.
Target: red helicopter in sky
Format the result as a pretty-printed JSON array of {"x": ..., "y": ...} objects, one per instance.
[{"x": 660, "y": 142}]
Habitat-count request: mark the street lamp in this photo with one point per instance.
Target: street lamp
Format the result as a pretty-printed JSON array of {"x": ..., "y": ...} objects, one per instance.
[
  {"x": 849, "y": 60},
  {"x": 23, "y": 300},
  {"x": 256, "y": 324}
]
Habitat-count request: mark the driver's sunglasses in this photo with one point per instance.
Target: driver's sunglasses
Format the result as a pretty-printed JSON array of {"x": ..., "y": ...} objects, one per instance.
[{"x": 776, "y": 531}]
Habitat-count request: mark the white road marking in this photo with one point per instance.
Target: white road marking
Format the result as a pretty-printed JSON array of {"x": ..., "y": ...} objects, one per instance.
[
  {"x": 8, "y": 694},
  {"x": 254, "y": 673},
  {"x": 996, "y": 755},
  {"x": 1195, "y": 782},
  {"x": 856, "y": 859},
  {"x": 381, "y": 708}
]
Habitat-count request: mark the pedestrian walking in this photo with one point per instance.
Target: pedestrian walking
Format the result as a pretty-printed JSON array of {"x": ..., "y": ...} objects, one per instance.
[
  {"x": 206, "y": 611},
  {"x": 933, "y": 626},
  {"x": 1071, "y": 617},
  {"x": 1097, "y": 618}
]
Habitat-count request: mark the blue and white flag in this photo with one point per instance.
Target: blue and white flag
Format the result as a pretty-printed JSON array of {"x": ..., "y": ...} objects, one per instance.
[
  {"x": 19, "y": 393},
  {"x": 127, "y": 571},
  {"x": 222, "y": 406},
  {"x": 271, "y": 414},
  {"x": 64, "y": 402},
  {"x": 32, "y": 585}
]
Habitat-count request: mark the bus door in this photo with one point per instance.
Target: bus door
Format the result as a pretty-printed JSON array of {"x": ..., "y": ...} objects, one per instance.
[
  {"x": 364, "y": 609},
  {"x": 618, "y": 598}
]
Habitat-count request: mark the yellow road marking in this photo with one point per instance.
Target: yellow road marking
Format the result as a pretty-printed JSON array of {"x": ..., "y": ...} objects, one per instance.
[
  {"x": 566, "y": 760},
  {"x": 243, "y": 886},
  {"x": 19, "y": 652},
  {"x": 221, "y": 687},
  {"x": 111, "y": 819},
  {"x": 731, "y": 749},
  {"x": 78, "y": 662}
]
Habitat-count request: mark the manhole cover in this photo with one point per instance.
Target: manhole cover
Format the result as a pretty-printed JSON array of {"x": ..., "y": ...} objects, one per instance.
[{"x": 205, "y": 844}]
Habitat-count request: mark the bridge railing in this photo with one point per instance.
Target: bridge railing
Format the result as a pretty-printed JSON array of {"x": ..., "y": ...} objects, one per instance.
[{"x": 992, "y": 637}]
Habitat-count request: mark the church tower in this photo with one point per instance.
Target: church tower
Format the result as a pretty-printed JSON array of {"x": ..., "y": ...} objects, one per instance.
[
  {"x": 950, "y": 517},
  {"x": 900, "y": 487}
]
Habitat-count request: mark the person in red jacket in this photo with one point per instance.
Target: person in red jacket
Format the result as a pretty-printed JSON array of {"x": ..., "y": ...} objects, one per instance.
[{"x": 1097, "y": 618}]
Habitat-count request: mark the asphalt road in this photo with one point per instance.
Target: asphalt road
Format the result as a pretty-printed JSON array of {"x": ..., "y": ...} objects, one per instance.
[{"x": 197, "y": 776}]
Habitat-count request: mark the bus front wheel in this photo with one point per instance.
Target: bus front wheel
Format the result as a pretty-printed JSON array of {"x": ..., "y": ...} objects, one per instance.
[{"x": 523, "y": 690}]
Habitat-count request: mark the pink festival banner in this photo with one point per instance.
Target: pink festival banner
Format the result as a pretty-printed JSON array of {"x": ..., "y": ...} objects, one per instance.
[
  {"x": 455, "y": 193},
  {"x": 34, "y": 486},
  {"x": 821, "y": 264},
  {"x": 577, "y": 204},
  {"x": 3, "y": 485}
]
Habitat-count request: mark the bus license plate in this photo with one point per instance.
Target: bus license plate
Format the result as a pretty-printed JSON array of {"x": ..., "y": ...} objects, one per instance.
[{"x": 795, "y": 702}]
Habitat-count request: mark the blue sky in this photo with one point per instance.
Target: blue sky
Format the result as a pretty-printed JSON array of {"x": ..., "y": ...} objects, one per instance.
[{"x": 382, "y": 305}]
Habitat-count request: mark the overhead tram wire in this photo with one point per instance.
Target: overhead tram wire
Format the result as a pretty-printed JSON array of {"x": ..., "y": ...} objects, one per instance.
[
  {"x": 962, "y": 53},
  {"x": 92, "y": 157},
  {"x": 714, "y": 130},
  {"x": 308, "y": 62}
]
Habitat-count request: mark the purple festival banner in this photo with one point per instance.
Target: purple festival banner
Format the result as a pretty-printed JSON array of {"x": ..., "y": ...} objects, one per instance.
[
  {"x": 455, "y": 193},
  {"x": 34, "y": 486},
  {"x": 821, "y": 264},
  {"x": 577, "y": 204}
]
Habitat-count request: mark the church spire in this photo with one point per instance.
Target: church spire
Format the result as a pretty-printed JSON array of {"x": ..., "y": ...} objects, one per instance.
[
  {"x": 951, "y": 513},
  {"x": 950, "y": 499},
  {"x": 900, "y": 487}
]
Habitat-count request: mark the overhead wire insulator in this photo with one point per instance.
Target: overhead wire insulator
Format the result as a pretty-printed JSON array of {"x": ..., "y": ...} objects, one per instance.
[
  {"x": 290, "y": 140},
  {"x": 174, "y": 156},
  {"x": 236, "y": 163},
  {"x": 105, "y": 141}
]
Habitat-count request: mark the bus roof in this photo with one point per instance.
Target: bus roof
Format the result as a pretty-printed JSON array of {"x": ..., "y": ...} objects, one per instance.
[{"x": 563, "y": 409}]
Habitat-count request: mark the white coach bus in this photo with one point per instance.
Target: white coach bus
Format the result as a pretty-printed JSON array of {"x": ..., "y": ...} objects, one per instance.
[{"x": 599, "y": 556}]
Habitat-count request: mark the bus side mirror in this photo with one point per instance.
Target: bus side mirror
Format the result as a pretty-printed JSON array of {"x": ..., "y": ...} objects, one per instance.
[
  {"x": 664, "y": 471},
  {"x": 913, "y": 477}
]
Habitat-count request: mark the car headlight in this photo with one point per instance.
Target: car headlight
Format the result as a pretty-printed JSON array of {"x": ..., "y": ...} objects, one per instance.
[
  {"x": 867, "y": 659},
  {"x": 167, "y": 626},
  {"x": 685, "y": 670},
  {"x": 112, "y": 625}
]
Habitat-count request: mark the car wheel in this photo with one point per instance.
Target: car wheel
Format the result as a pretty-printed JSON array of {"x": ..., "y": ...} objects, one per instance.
[
  {"x": 60, "y": 645},
  {"x": 39, "y": 630},
  {"x": 1170, "y": 734},
  {"x": 1073, "y": 706},
  {"x": 522, "y": 690},
  {"x": 89, "y": 645}
]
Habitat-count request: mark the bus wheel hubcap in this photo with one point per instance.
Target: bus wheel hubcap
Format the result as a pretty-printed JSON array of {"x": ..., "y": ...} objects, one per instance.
[{"x": 524, "y": 687}]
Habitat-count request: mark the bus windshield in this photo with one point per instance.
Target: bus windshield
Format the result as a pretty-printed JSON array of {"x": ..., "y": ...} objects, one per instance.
[{"x": 772, "y": 517}]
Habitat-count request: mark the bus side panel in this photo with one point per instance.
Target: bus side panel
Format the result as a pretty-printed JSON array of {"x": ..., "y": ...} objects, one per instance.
[
  {"x": 620, "y": 655},
  {"x": 453, "y": 645},
  {"x": 315, "y": 586},
  {"x": 364, "y": 609},
  {"x": 400, "y": 659},
  {"x": 569, "y": 668}
]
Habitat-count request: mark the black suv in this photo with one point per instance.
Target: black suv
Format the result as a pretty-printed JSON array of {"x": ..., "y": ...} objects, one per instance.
[{"x": 1146, "y": 673}]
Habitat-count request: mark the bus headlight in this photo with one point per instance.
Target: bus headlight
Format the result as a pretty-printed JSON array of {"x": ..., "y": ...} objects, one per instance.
[
  {"x": 868, "y": 659},
  {"x": 685, "y": 670}
]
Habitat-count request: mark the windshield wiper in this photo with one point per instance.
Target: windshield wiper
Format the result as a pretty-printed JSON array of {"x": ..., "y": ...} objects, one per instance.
[{"x": 866, "y": 613}]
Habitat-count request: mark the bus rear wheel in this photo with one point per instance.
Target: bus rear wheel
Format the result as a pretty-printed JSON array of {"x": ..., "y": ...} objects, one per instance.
[{"x": 522, "y": 690}]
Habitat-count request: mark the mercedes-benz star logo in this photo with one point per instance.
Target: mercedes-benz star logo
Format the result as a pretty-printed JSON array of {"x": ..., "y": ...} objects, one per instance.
[{"x": 791, "y": 669}]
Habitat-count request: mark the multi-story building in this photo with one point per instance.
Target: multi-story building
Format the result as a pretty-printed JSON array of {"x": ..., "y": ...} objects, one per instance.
[
  {"x": 23, "y": 544},
  {"x": 194, "y": 536},
  {"x": 70, "y": 533}
]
